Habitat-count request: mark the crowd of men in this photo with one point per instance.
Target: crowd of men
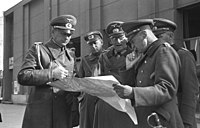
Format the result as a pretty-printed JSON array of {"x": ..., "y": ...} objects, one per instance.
[{"x": 158, "y": 76}]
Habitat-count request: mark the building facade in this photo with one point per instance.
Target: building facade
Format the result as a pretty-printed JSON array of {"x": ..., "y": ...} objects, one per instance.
[
  {"x": 1, "y": 42},
  {"x": 1, "y": 55},
  {"x": 28, "y": 22}
]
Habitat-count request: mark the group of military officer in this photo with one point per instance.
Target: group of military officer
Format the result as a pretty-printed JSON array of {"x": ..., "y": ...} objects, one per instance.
[{"x": 152, "y": 70}]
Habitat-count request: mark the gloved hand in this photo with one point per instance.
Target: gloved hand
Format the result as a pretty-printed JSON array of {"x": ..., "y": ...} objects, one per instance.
[
  {"x": 59, "y": 72},
  {"x": 124, "y": 91}
]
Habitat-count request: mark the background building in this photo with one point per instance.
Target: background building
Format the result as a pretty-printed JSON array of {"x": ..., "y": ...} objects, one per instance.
[
  {"x": 1, "y": 42},
  {"x": 28, "y": 22},
  {"x": 1, "y": 55}
]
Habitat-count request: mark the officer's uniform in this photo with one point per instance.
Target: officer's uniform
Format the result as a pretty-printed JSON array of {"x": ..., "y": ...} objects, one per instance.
[
  {"x": 111, "y": 62},
  {"x": 156, "y": 80},
  {"x": 89, "y": 66},
  {"x": 47, "y": 108},
  {"x": 0, "y": 118},
  {"x": 188, "y": 81}
]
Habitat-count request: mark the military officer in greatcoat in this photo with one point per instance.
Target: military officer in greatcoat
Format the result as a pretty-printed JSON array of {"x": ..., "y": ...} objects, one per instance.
[
  {"x": 112, "y": 61},
  {"x": 49, "y": 107},
  {"x": 157, "y": 74},
  {"x": 90, "y": 66},
  {"x": 0, "y": 118},
  {"x": 188, "y": 81}
]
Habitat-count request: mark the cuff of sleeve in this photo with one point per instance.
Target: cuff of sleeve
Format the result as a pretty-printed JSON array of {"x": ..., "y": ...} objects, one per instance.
[
  {"x": 133, "y": 97},
  {"x": 50, "y": 74}
]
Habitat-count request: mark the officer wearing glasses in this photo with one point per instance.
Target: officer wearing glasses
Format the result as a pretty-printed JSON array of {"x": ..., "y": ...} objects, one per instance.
[{"x": 112, "y": 60}]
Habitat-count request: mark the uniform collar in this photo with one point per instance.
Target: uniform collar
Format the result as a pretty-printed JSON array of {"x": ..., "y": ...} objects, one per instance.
[
  {"x": 54, "y": 48},
  {"x": 60, "y": 46},
  {"x": 94, "y": 56},
  {"x": 175, "y": 47},
  {"x": 152, "y": 47}
]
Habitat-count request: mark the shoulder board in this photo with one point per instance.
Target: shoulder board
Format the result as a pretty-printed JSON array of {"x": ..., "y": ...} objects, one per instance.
[
  {"x": 110, "y": 48},
  {"x": 166, "y": 44},
  {"x": 37, "y": 43},
  {"x": 86, "y": 55},
  {"x": 184, "y": 49},
  {"x": 105, "y": 50}
]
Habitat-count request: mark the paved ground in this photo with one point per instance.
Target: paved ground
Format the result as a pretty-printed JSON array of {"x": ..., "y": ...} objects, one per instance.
[{"x": 12, "y": 115}]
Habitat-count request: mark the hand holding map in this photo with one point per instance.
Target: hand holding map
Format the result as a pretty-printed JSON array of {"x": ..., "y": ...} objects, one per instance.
[{"x": 100, "y": 86}]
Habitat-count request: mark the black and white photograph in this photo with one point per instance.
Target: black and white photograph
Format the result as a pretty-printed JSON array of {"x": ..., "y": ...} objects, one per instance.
[{"x": 99, "y": 64}]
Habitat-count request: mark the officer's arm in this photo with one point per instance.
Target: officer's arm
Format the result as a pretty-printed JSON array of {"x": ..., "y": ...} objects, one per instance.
[{"x": 31, "y": 73}]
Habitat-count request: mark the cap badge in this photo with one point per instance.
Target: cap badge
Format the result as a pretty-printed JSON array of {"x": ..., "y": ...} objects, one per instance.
[
  {"x": 155, "y": 28},
  {"x": 116, "y": 30},
  {"x": 90, "y": 37},
  {"x": 68, "y": 25}
]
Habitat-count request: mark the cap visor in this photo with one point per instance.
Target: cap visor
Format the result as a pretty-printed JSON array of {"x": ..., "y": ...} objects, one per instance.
[
  {"x": 158, "y": 32},
  {"x": 130, "y": 26},
  {"x": 119, "y": 34},
  {"x": 61, "y": 27},
  {"x": 91, "y": 41}
]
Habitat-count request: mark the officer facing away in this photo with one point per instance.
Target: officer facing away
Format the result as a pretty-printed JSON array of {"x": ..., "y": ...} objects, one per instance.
[{"x": 188, "y": 81}]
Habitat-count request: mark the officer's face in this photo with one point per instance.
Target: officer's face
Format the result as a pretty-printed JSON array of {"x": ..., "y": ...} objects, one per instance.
[
  {"x": 119, "y": 43},
  {"x": 139, "y": 41},
  {"x": 165, "y": 36},
  {"x": 62, "y": 36},
  {"x": 96, "y": 46}
]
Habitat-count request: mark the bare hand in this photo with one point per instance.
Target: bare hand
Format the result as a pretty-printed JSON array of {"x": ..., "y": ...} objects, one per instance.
[
  {"x": 123, "y": 91},
  {"x": 59, "y": 72}
]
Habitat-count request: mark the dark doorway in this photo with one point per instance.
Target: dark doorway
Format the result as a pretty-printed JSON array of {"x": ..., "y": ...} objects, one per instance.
[
  {"x": 191, "y": 21},
  {"x": 75, "y": 44}
]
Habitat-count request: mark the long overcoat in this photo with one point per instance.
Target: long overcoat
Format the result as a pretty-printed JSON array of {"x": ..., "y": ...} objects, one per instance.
[
  {"x": 156, "y": 86},
  {"x": 105, "y": 115},
  {"x": 88, "y": 66},
  {"x": 45, "y": 109},
  {"x": 188, "y": 87}
]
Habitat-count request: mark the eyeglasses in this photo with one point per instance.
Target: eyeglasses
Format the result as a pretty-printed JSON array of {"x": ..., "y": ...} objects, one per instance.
[
  {"x": 93, "y": 42},
  {"x": 122, "y": 37}
]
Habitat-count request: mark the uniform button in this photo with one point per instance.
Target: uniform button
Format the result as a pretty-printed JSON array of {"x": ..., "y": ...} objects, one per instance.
[
  {"x": 141, "y": 71},
  {"x": 145, "y": 61},
  {"x": 140, "y": 81}
]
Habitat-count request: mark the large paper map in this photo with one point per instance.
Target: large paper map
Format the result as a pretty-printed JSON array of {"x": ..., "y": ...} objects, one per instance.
[{"x": 100, "y": 86}]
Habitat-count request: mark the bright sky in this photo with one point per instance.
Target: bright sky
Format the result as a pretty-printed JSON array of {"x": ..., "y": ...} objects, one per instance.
[{"x": 4, "y": 5}]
